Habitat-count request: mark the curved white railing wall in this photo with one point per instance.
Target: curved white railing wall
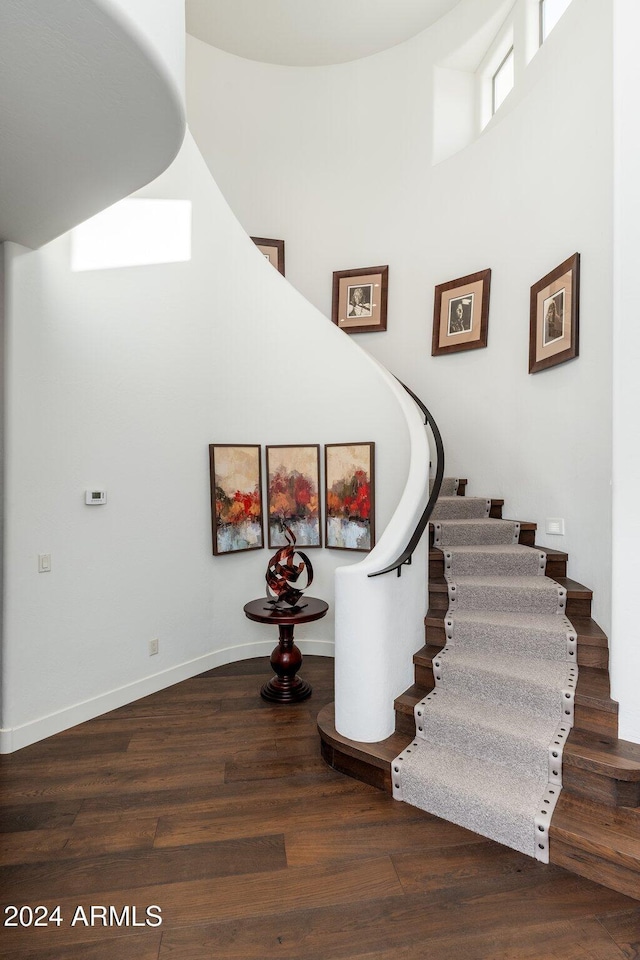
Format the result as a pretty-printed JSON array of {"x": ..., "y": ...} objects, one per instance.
[
  {"x": 380, "y": 620},
  {"x": 158, "y": 26}
]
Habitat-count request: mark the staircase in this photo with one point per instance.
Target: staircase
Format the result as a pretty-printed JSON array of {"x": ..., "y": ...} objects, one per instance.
[{"x": 595, "y": 828}]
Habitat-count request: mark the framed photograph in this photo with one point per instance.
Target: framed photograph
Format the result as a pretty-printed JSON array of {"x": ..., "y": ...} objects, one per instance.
[
  {"x": 273, "y": 250},
  {"x": 350, "y": 500},
  {"x": 461, "y": 314},
  {"x": 360, "y": 299},
  {"x": 236, "y": 497},
  {"x": 553, "y": 330},
  {"x": 293, "y": 494}
]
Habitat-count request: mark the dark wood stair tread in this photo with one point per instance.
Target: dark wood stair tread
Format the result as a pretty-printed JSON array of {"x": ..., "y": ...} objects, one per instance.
[
  {"x": 619, "y": 759},
  {"x": 407, "y": 700},
  {"x": 608, "y": 832},
  {"x": 589, "y": 632},
  {"x": 598, "y": 842},
  {"x": 572, "y": 811},
  {"x": 425, "y": 654},
  {"x": 379, "y": 754}
]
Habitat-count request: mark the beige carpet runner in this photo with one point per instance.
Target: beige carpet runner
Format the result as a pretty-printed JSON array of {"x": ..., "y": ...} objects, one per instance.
[{"x": 487, "y": 754}]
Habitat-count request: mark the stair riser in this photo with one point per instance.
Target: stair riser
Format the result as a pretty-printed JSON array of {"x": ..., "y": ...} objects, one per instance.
[
  {"x": 588, "y": 656},
  {"x": 358, "y": 769},
  {"x": 572, "y": 857},
  {"x": 424, "y": 676},
  {"x": 405, "y": 723},
  {"x": 596, "y": 721},
  {"x": 593, "y": 786}
]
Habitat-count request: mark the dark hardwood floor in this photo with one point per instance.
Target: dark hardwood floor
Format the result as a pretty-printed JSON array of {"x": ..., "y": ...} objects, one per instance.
[{"x": 216, "y": 807}]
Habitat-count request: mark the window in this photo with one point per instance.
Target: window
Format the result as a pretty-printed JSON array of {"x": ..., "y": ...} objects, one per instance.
[
  {"x": 502, "y": 81},
  {"x": 550, "y": 13},
  {"x": 133, "y": 232}
]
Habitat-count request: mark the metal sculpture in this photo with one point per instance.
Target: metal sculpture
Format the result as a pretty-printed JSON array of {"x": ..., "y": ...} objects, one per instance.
[{"x": 283, "y": 573}]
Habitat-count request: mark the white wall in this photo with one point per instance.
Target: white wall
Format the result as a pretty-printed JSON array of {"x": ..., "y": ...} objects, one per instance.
[
  {"x": 156, "y": 25},
  {"x": 625, "y": 666},
  {"x": 120, "y": 379},
  {"x": 337, "y": 161}
]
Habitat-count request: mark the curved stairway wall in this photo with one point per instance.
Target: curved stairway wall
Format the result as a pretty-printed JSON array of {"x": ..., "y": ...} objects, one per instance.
[
  {"x": 92, "y": 107},
  {"x": 120, "y": 379}
]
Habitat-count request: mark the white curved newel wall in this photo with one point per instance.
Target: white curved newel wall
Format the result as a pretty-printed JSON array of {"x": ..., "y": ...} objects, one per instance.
[{"x": 380, "y": 620}]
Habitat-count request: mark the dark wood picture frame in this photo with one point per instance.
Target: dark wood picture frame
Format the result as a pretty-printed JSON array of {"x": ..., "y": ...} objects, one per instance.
[
  {"x": 555, "y": 316},
  {"x": 345, "y": 529},
  {"x": 461, "y": 314},
  {"x": 296, "y": 489},
  {"x": 359, "y": 300},
  {"x": 273, "y": 250},
  {"x": 237, "y": 514}
]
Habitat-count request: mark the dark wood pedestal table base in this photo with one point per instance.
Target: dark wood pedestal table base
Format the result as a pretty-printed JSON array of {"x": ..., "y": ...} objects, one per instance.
[{"x": 286, "y": 658}]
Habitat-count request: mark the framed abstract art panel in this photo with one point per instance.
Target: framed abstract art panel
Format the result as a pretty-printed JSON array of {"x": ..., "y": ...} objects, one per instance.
[
  {"x": 349, "y": 496},
  {"x": 236, "y": 497}
]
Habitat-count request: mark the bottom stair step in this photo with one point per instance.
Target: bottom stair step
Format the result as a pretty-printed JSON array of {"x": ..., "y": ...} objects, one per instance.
[
  {"x": 511, "y": 807},
  {"x": 598, "y": 843}
]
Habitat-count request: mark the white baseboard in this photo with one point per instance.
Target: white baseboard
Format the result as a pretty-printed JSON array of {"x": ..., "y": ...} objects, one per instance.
[{"x": 14, "y": 738}]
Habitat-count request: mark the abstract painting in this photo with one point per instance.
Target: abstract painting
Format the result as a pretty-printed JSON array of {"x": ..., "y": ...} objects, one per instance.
[
  {"x": 236, "y": 497},
  {"x": 293, "y": 494},
  {"x": 349, "y": 480}
]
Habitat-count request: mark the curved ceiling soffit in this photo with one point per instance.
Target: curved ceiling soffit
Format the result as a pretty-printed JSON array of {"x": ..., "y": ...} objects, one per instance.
[
  {"x": 88, "y": 114},
  {"x": 308, "y": 33}
]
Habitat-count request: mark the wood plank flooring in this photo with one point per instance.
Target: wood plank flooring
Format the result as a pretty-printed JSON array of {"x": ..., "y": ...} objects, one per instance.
[{"x": 216, "y": 807}]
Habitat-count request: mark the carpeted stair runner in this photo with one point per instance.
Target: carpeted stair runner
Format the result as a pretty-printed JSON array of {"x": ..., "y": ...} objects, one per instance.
[
  {"x": 460, "y": 533},
  {"x": 489, "y": 737}
]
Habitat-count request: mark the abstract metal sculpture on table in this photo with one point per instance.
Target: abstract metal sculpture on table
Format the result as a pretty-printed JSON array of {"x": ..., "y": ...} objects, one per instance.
[
  {"x": 283, "y": 573},
  {"x": 281, "y": 609}
]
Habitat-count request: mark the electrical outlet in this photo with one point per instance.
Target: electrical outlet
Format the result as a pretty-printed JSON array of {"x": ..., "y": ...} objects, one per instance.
[{"x": 153, "y": 647}]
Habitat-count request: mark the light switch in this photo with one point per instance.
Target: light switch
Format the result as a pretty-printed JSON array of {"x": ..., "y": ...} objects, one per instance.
[{"x": 44, "y": 563}]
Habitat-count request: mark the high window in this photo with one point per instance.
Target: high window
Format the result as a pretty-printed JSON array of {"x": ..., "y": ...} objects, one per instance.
[
  {"x": 550, "y": 13},
  {"x": 502, "y": 81},
  {"x": 132, "y": 233}
]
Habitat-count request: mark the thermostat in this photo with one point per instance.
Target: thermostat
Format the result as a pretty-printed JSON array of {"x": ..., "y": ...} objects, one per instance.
[{"x": 95, "y": 496}]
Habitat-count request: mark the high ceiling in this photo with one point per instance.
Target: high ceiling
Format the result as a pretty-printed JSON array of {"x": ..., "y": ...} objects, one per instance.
[{"x": 310, "y": 32}]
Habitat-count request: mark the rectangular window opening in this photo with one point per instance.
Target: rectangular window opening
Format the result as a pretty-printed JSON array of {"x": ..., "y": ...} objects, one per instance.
[
  {"x": 550, "y": 13},
  {"x": 503, "y": 81},
  {"x": 133, "y": 232}
]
